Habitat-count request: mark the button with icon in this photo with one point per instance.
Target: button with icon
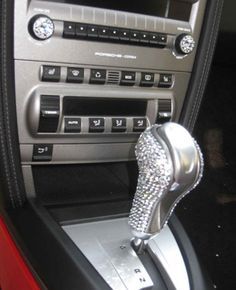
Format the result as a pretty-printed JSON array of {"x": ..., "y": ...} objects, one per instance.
[
  {"x": 51, "y": 73},
  {"x": 98, "y": 76},
  {"x": 139, "y": 124},
  {"x": 96, "y": 125},
  {"x": 118, "y": 125},
  {"x": 166, "y": 81},
  {"x": 42, "y": 152},
  {"x": 75, "y": 75},
  {"x": 147, "y": 79},
  {"x": 128, "y": 78}
]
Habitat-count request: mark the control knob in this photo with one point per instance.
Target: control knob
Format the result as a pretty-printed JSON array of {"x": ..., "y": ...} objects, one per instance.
[
  {"x": 184, "y": 44},
  {"x": 41, "y": 27}
]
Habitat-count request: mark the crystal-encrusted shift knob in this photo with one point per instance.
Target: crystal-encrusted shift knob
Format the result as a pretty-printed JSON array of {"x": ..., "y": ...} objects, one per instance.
[{"x": 170, "y": 166}]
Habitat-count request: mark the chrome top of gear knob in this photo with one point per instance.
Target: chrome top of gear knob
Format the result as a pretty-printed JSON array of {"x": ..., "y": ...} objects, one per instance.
[{"x": 170, "y": 165}]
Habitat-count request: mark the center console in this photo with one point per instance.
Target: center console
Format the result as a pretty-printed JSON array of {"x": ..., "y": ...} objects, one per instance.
[{"x": 89, "y": 78}]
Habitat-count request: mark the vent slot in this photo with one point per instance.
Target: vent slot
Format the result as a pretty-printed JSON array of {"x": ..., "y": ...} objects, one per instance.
[{"x": 113, "y": 77}]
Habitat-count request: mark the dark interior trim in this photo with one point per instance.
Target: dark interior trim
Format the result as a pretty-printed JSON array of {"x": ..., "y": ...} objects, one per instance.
[
  {"x": 53, "y": 255},
  {"x": 202, "y": 64},
  {"x": 10, "y": 166}
]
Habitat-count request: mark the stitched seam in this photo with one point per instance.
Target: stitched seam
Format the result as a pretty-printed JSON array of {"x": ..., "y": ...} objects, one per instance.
[
  {"x": 213, "y": 41},
  {"x": 204, "y": 69},
  {"x": 208, "y": 68},
  {"x": 5, "y": 96},
  {"x": 4, "y": 154},
  {"x": 209, "y": 64}
]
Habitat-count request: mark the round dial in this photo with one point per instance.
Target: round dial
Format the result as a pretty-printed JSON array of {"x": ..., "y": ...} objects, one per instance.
[
  {"x": 185, "y": 43},
  {"x": 42, "y": 27}
]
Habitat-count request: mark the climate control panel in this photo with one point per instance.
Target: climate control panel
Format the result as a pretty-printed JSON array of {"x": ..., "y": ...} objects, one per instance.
[{"x": 101, "y": 76}]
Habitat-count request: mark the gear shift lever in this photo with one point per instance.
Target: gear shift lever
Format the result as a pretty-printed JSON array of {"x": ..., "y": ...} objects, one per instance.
[{"x": 170, "y": 166}]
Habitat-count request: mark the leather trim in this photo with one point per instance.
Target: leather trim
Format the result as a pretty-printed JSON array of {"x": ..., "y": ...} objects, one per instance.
[
  {"x": 10, "y": 169},
  {"x": 198, "y": 277},
  {"x": 202, "y": 64},
  {"x": 50, "y": 251}
]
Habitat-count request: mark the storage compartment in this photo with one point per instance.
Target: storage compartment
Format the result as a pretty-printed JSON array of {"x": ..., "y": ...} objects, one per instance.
[{"x": 85, "y": 183}]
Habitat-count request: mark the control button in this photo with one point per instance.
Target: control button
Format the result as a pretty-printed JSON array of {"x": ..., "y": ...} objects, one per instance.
[
  {"x": 42, "y": 27},
  {"x": 114, "y": 34},
  {"x": 127, "y": 78},
  {"x": 166, "y": 81},
  {"x": 124, "y": 35},
  {"x": 162, "y": 40},
  {"x": 49, "y": 113},
  {"x": 98, "y": 76},
  {"x": 69, "y": 30},
  {"x": 134, "y": 36},
  {"x": 51, "y": 73},
  {"x": 147, "y": 79},
  {"x": 118, "y": 125},
  {"x": 72, "y": 125},
  {"x": 96, "y": 125},
  {"x": 42, "y": 152},
  {"x": 92, "y": 31},
  {"x": 75, "y": 75},
  {"x": 139, "y": 124},
  {"x": 144, "y": 37},
  {"x": 153, "y": 38},
  {"x": 81, "y": 30},
  {"x": 103, "y": 32}
]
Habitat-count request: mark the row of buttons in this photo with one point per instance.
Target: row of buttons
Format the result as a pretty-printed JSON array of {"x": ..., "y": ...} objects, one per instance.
[
  {"x": 97, "y": 125},
  {"x": 112, "y": 34},
  {"x": 99, "y": 76}
]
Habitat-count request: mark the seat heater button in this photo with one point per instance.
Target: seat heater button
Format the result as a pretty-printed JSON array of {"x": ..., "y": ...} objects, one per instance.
[
  {"x": 96, "y": 125},
  {"x": 51, "y": 73},
  {"x": 139, "y": 124},
  {"x": 166, "y": 81},
  {"x": 118, "y": 125}
]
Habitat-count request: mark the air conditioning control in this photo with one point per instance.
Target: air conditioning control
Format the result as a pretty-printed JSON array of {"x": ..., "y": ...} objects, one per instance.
[
  {"x": 41, "y": 27},
  {"x": 184, "y": 44}
]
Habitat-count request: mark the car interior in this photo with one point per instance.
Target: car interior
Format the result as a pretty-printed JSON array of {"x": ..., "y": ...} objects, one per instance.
[{"x": 117, "y": 145}]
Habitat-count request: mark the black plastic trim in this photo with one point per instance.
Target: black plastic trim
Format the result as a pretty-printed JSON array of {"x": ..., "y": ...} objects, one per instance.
[
  {"x": 10, "y": 169},
  {"x": 202, "y": 63}
]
